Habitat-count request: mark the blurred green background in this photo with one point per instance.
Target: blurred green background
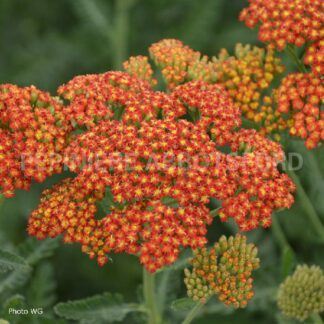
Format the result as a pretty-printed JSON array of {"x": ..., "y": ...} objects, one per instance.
[{"x": 46, "y": 43}]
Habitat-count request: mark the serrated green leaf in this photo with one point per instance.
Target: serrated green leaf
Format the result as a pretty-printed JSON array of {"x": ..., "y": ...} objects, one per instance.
[
  {"x": 9, "y": 261},
  {"x": 34, "y": 250},
  {"x": 182, "y": 304},
  {"x": 169, "y": 279},
  {"x": 41, "y": 289},
  {"x": 106, "y": 308},
  {"x": 13, "y": 281}
]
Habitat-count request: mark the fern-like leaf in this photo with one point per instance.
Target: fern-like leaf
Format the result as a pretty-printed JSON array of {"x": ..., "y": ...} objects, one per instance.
[
  {"x": 14, "y": 281},
  {"x": 106, "y": 308},
  {"x": 34, "y": 250},
  {"x": 41, "y": 289},
  {"x": 9, "y": 261}
]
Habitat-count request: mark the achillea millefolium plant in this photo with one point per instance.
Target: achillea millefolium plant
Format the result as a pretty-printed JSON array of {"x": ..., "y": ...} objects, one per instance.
[{"x": 154, "y": 160}]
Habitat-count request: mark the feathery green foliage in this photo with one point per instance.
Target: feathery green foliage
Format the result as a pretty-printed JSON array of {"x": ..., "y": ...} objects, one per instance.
[{"x": 106, "y": 308}]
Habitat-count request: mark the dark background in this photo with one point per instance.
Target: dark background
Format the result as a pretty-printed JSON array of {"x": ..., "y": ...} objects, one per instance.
[{"x": 46, "y": 43}]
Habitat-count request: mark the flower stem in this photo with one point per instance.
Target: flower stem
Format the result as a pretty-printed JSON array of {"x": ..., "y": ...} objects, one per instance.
[
  {"x": 306, "y": 203},
  {"x": 292, "y": 54},
  {"x": 193, "y": 313},
  {"x": 121, "y": 31},
  {"x": 279, "y": 234},
  {"x": 154, "y": 316},
  {"x": 317, "y": 319}
]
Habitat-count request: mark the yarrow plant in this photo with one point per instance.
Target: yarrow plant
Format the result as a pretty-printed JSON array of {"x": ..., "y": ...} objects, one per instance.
[{"x": 155, "y": 161}]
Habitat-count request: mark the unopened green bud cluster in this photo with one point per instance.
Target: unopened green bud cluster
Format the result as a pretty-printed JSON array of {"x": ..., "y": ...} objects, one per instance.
[
  {"x": 302, "y": 293},
  {"x": 225, "y": 269}
]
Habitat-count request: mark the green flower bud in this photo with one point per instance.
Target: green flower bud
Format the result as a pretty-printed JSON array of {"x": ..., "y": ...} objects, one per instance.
[
  {"x": 225, "y": 269},
  {"x": 302, "y": 293}
]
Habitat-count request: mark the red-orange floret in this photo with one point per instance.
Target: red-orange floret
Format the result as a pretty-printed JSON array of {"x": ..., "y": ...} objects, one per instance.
[
  {"x": 300, "y": 95},
  {"x": 34, "y": 132},
  {"x": 283, "y": 22}
]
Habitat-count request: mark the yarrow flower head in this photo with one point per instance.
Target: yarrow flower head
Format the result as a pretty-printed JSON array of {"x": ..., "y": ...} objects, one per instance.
[
  {"x": 300, "y": 96},
  {"x": 224, "y": 270},
  {"x": 283, "y": 22},
  {"x": 302, "y": 294},
  {"x": 255, "y": 187},
  {"x": 161, "y": 171},
  {"x": 33, "y": 134}
]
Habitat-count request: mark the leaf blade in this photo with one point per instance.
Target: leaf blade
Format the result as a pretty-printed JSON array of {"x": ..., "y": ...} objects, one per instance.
[
  {"x": 10, "y": 261},
  {"x": 106, "y": 308}
]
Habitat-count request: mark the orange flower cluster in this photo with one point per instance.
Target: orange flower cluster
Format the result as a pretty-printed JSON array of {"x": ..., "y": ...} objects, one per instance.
[
  {"x": 300, "y": 95},
  {"x": 314, "y": 57},
  {"x": 285, "y": 22},
  {"x": 295, "y": 105},
  {"x": 142, "y": 222},
  {"x": 161, "y": 174},
  {"x": 151, "y": 230},
  {"x": 112, "y": 95},
  {"x": 173, "y": 58},
  {"x": 33, "y": 131},
  {"x": 245, "y": 75},
  {"x": 252, "y": 178},
  {"x": 255, "y": 185},
  {"x": 225, "y": 269},
  {"x": 139, "y": 67}
]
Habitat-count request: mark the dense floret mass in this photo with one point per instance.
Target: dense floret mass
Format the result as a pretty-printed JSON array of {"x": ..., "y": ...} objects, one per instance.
[
  {"x": 300, "y": 95},
  {"x": 302, "y": 294},
  {"x": 161, "y": 173},
  {"x": 33, "y": 131},
  {"x": 283, "y": 22}
]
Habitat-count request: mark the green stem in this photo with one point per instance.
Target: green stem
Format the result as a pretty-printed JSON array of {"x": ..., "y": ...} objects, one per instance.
[
  {"x": 279, "y": 234},
  {"x": 154, "y": 316},
  {"x": 306, "y": 203},
  {"x": 193, "y": 313},
  {"x": 292, "y": 54},
  {"x": 121, "y": 28},
  {"x": 317, "y": 319},
  {"x": 2, "y": 200}
]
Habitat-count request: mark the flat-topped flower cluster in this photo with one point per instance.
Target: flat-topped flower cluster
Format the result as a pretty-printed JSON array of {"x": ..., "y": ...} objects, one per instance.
[{"x": 162, "y": 156}]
